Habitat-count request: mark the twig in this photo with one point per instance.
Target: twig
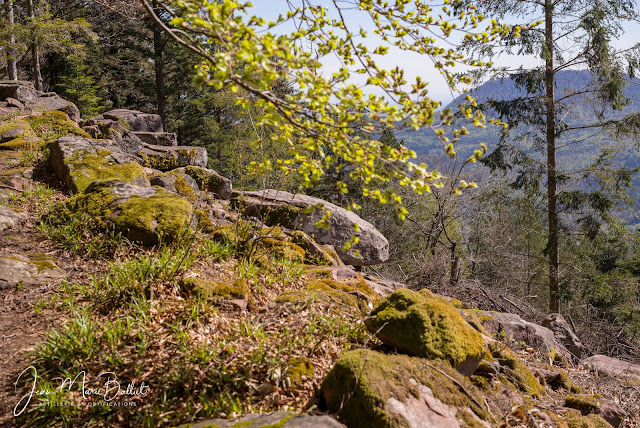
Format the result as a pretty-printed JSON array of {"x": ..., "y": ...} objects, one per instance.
[
  {"x": 458, "y": 384},
  {"x": 2, "y": 186}
]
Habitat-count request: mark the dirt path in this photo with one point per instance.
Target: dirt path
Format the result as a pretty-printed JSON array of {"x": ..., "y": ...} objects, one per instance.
[{"x": 25, "y": 312}]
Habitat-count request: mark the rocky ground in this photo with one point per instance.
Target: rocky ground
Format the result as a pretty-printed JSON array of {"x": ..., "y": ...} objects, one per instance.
[{"x": 121, "y": 252}]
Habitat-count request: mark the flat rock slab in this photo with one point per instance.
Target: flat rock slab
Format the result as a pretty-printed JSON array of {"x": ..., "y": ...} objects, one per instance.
[
  {"x": 613, "y": 366},
  {"x": 137, "y": 120},
  {"x": 302, "y": 212},
  {"x": 28, "y": 269},
  {"x": 158, "y": 138},
  {"x": 278, "y": 419},
  {"x": 18, "y": 89},
  {"x": 9, "y": 217}
]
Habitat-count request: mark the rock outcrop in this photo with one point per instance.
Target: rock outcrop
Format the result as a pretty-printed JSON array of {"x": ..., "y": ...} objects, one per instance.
[
  {"x": 302, "y": 212},
  {"x": 24, "y": 97},
  {"x": 277, "y": 419},
  {"x": 613, "y": 366}
]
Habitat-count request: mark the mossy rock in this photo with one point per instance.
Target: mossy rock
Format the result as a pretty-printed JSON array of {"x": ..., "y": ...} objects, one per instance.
[
  {"x": 182, "y": 186},
  {"x": 55, "y": 124},
  {"x": 298, "y": 367},
  {"x": 157, "y": 215},
  {"x": 423, "y": 325},
  {"x": 316, "y": 254},
  {"x": 369, "y": 389},
  {"x": 214, "y": 290},
  {"x": 589, "y": 421},
  {"x": 516, "y": 372},
  {"x": 281, "y": 249},
  {"x": 23, "y": 144},
  {"x": 78, "y": 163},
  {"x": 209, "y": 181},
  {"x": 16, "y": 128},
  {"x": 583, "y": 402}
]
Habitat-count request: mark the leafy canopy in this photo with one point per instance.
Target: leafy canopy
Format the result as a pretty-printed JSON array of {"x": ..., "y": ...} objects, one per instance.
[{"x": 335, "y": 120}]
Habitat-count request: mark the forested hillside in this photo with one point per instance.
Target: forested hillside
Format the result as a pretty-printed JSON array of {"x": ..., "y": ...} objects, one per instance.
[{"x": 210, "y": 219}]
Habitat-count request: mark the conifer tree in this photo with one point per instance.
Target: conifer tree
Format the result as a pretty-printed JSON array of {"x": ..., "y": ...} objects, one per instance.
[{"x": 572, "y": 34}]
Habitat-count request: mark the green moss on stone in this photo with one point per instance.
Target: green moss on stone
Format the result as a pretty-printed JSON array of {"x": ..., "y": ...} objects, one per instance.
[
  {"x": 299, "y": 367},
  {"x": 162, "y": 161},
  {"x": 42, "y": 261},
  {"x": 55, "y": 124},
  {"x": 362, "y": 381},
  {"x": 585, "y": 403},
  {"x": 283, "y": 250},
  {"x": 182, "y": 187},
  {"x": 516, "y": 371},
  {"x": 139, "y": 219},
  {"x": 206, "y": 181},
  {"x": 214, "y": 290},
  {"x": 161, "y": 215},
  {"x": 589, "y": 421},
  {"x": 87, "y": 166},
  {"x": 420, "y": 324},
  {"x": 23, "y": 144}
]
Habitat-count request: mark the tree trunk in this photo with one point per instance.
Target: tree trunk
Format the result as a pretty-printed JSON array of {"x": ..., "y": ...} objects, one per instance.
[
  {"x": 552, "y": 196},
  {"x": 12, "y": 67},
  {"x": 35, "y": 56},
  {"x": 158, "y": 53}
]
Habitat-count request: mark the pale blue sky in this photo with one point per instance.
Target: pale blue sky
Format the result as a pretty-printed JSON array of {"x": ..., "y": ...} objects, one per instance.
[{"x": 413, "y": 64}]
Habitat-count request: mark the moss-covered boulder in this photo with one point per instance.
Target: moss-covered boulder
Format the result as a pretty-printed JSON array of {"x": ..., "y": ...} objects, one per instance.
[
  {"x": 589, "y": 421},
  {"x": 209, "y": 181},
  {"x": 420, "y": 324},
  {"x": 51, "y": 125},
  {"x": 588, "y": 404},
  {"x": 512, "y": 370},
  {"x": 142, "y": 214},
  {"x": 16, "y": 128},
  {"x": 303, "y": 213},
  {"x": 78, "y": 162},
  {"x": 166, "y": 158},
  {"x": 370, "y": 389}
]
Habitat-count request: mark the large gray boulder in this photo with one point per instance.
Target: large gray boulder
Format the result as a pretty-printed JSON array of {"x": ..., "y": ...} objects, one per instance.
[
  {"x": 158, "y": 138},
  {"x": 28, "y": 269},
  {"x": 302, "y": 212},
  {"x": 137, "y": 120},
  {"x": 50, "y": 101},
  {"x": 277, "y": 419},
  {"x": 23, "y": 95},
  {"x": 563, "y": 333},
  {"x": 18, "y": 89},
  {"x": 209, "y": 181}
]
